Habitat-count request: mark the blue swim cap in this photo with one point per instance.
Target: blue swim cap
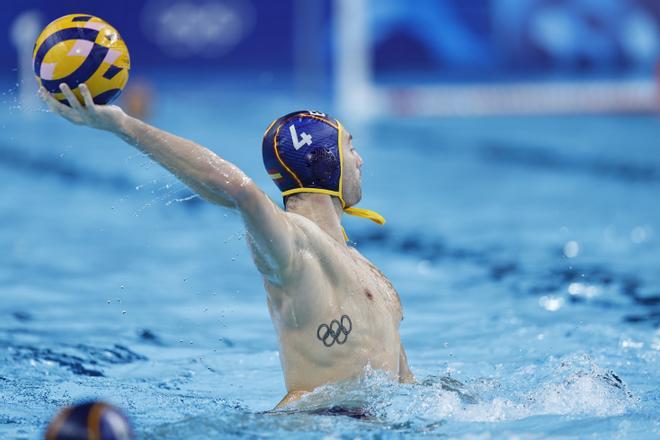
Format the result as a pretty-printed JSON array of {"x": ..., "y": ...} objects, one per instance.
[
  {"x": 87, "y": 420},
  {"x": 302, "y": 153}
]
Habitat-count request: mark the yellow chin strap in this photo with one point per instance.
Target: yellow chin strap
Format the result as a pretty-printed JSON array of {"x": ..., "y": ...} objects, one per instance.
[
  {"x": 357, "y": 212},
  {"x": 364, "y": 213}
]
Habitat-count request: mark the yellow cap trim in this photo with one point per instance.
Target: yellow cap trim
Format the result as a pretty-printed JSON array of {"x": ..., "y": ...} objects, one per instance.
[
  {"x": 94, "y": 421},
  {"x": 269, "y": 127},
  {"x": 277, "y": 154},
  {"x": 340, "y": 129},
  {"x": 311, "y": 190},
  {"x": 320, "y": 118}
]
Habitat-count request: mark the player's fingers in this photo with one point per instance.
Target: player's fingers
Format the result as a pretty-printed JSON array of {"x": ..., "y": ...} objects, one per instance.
[
  {"x": 43, "y": 95},
  {"x": 73, "y": 101},
  {"x": 57, "y": 107},
  {"x": 87, "y": 96},
  {"x": 53, "y": 103}
]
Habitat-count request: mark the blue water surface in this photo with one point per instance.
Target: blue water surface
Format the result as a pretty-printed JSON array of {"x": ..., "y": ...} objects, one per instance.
[{"x": 526, "y": 251}]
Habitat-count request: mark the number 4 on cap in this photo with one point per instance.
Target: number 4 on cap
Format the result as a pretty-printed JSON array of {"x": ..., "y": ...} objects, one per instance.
[{"x": 305, "y": 139}]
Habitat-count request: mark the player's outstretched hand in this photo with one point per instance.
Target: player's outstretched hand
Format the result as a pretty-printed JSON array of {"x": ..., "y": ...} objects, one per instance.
[{"x": 104, "y": 117}]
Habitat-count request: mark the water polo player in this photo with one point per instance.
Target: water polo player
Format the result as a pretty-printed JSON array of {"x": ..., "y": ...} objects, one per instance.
[{"x": 335, "y": 313}]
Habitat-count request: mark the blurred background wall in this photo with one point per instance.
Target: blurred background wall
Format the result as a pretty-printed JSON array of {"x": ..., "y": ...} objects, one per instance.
[
  {"x": 479, "y": 37},
  {"x": 309, "y": 42},
  {"x": 500, "y": 37},
  {"x": 165, "y": 33}
]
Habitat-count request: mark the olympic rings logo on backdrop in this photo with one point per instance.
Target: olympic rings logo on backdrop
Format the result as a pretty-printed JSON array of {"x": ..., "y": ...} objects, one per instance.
[
  {"x": 206, "y": 28},
  {"x": 337, "y": 331}
]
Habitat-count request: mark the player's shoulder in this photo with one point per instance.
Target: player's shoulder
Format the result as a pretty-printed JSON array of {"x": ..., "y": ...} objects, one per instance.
[
  {"x": 306, "y": 231},
  {"x": 313, "y": 239}
]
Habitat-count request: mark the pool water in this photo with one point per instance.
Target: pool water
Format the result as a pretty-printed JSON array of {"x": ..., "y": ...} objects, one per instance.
[{"x": 526, "y": 251}]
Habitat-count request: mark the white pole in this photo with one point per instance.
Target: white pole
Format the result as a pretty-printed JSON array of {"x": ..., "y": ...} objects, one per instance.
[{"x": 354, "y": 95}]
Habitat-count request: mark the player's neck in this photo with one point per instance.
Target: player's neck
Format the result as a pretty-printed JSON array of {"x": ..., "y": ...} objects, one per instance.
[{"x": 324, "y": 210}]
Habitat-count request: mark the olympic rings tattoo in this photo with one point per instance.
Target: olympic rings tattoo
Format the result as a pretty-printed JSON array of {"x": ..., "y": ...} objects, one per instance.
[{"x": 336, "y": 331}]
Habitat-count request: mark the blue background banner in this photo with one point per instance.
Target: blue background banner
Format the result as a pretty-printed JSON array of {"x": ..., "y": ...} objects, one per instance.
[{"x": 485, "y": 38}]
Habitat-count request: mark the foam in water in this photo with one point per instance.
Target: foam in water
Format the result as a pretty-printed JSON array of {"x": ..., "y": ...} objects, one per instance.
[{"x": 573, "y": 385}]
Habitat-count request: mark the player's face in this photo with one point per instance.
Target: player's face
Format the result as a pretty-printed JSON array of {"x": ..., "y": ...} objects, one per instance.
[{"x": 351, "y": 175}]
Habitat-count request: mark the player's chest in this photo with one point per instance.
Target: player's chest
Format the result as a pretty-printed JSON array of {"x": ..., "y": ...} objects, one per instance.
[{"x": 370, "y": 282}]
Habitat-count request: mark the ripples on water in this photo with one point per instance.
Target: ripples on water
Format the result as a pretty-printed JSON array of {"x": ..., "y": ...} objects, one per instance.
[{"x": 529, "y": 281}]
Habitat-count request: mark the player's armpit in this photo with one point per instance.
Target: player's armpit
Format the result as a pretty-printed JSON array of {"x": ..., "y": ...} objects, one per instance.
[{"x": 274, "y": 238}]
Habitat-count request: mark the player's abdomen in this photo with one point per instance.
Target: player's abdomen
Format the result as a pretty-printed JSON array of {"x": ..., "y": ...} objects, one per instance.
[{"x": 339, "y": 348}]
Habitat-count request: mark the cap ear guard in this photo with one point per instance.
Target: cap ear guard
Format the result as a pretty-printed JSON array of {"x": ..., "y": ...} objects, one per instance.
[{"x": 322, "y": 161}]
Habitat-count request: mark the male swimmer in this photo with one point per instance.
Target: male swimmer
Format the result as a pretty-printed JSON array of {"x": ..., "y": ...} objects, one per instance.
[{"x": 335, "y": 313}]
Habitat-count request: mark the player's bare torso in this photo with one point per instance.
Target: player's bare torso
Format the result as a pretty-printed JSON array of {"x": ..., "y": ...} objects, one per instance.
[{"x": 335, "y": 314}]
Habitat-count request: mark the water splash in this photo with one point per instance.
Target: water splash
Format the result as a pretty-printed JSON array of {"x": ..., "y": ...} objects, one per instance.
[
  {"x": 182, "y": 199},
  {"x": 570, "y": 386}
]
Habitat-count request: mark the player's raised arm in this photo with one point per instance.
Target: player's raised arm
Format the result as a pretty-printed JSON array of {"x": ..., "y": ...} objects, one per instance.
[{"x": 212, "y": 177}]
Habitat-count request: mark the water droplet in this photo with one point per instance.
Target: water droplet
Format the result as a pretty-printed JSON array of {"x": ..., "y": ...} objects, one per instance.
[
  {"x": 629, "y": 343},
  {"x": 571, "y": 249},
  {"x": 551, "y": 303},
  {"x": 576, "y": 288}
]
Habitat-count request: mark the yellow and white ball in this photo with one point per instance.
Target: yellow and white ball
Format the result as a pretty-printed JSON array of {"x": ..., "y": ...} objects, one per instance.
[{"x": 81, "y": 48}]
